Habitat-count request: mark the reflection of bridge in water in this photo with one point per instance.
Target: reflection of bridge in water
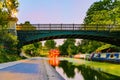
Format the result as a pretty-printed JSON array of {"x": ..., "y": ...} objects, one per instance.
[{"x": 38, "y": 32}]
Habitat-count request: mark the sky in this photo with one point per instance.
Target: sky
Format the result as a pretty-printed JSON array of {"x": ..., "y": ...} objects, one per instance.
[{"x": 53, "y": 11}]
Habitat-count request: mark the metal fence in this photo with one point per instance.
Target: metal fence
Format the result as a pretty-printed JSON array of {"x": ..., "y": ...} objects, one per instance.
[{"x": 68, "y": 27}]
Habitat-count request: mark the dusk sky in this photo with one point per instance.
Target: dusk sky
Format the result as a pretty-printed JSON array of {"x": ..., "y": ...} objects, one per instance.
[{"x": 53, "y": 11}]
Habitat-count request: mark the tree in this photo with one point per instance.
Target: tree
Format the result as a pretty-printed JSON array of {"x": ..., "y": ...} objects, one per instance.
[
  {"x": 8, "y": 11},
  {"x": 68, "y": 48},
  {"x": 104, "y": 12},
  {"x": 38, "y": 47},
  {"x": 3, "y": 18},
  {"x": 29, "y": 49},
  {"x": 50, "y": 44},
  {"x": 33, "y": 49},
  {"x": 88, "y": 46},
  {"x": 26, "y": 26},
  {"x": 72, "y": 49},
  {"x": 8, "y": 41},
  {"x": 11, "y": 7}
]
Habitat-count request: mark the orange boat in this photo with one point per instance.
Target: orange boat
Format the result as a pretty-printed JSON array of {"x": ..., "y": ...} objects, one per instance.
[{"x": 53, "y": 55}]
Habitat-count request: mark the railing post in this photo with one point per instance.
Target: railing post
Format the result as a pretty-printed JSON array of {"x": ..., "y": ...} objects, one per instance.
[
  {"x": 61, "y": 26},
  {"x": 50, "y": 26},
  {"x": 73, "y": 26},
  {"x": 38, "y": 26},
  {"x": 84, "y": 28}
]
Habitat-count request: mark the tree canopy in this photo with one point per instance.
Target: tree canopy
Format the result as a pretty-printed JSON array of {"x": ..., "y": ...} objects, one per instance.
[
  {"x": 26, "y": 26},
  {"x": 50, "y": 44},
  {"x": 68, "y": 47},
  {"x": 8, "y": 10},
  {"x": 33, "y": 49},
  {"x": 103, "y": 12},
  {"x": 89, "y": 46},
  {"x": 8, "y": 41}
]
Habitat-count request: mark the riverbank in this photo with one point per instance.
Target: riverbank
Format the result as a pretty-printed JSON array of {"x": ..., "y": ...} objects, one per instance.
[{"x": 4, "y": 57}]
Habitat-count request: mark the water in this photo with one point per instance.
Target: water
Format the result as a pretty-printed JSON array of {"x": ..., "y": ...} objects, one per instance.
[{"x": 85, "y": 70}]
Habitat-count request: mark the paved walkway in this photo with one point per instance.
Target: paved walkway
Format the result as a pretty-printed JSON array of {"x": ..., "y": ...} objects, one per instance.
[{"x": 32, "y": 69}]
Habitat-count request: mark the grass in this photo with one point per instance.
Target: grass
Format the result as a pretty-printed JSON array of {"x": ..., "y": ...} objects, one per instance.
[{"x": 5, "y": 57}]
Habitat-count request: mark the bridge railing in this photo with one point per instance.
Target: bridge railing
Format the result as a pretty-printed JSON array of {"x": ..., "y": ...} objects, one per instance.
[{"x": 68, "y": 27}]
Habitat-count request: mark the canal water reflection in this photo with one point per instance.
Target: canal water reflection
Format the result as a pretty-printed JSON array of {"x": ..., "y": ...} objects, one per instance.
[{"x": 82, "y": 72}]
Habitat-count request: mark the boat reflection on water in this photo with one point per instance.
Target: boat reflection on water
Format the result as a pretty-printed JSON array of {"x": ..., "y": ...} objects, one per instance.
[
  {"x": 54, "y": 61},
  {"x": 53, "y": 55}
]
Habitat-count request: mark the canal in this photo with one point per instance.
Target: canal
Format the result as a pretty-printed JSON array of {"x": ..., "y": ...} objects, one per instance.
[{"x": 77, "y": 69}]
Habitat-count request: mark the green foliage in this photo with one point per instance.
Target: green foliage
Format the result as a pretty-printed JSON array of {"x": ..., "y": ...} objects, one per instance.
[
  {"x": 3, "y": 18},
  {"x": 6, "y": 57},
  {"x": 72, "y": 49},
  {"x": 103, "y": 47},
  {"x": 50, "y": 44},
  {"x": 10, "y": 6},
  {"x": 44, "y": 51},
  {"x": 26, "y": 26},
  {"x": 8, "y": 47},
  {"x": 8, "y": 42},
  {"x": 33, "y": 49},
  {"x": 8, "y": 9},
  {"x": 38, "y": 45},
  {"x": 108, "y": 48},
  {"x": 103, "y": 12},
  {"x": 88, "y": 46},
  {"x": 68, "y": 48}
]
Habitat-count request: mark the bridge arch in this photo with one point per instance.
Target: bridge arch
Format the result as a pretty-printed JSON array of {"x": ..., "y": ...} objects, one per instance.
[{"x": 61, "y": 31}]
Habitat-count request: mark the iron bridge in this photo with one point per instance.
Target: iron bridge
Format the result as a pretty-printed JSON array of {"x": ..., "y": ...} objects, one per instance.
[{"x": 30, "y": 33}]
